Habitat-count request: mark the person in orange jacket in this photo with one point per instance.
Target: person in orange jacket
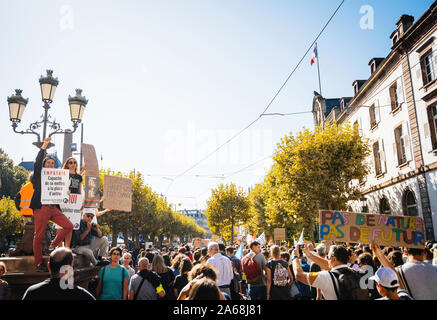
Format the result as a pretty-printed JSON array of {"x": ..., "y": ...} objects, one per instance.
[{"x": 22, "y": 200}]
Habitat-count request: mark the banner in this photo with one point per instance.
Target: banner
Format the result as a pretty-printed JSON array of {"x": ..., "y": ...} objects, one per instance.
[
  {"x": 72, "y": 209},
  {"x": 279, "y": 234},
  {"x": 117, "y": 193},
  {"x": 54, "y": 185},
  {"x": 92, "y": 192},
  {"x": 386, "y": 230}
]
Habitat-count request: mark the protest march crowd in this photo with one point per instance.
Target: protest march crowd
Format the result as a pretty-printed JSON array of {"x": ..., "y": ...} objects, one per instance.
[{"x": 251, "y": 271}]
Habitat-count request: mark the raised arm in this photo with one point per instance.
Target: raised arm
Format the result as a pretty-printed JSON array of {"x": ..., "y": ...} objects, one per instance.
[{"x": 323, "y": 263}]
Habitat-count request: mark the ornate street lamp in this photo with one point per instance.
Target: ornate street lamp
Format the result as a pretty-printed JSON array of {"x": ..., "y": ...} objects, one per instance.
[
  {"x": 48, "y": 86},
  {"x": 16, "y": 106},
  {"x": 77, "y": 107}
]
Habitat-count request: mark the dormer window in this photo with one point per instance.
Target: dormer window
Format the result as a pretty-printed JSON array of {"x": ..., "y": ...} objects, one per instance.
[
  {"x": 372, "y": 67},
  {"x": 355, "y": 88},
  {"x": 395, "y": 39}
]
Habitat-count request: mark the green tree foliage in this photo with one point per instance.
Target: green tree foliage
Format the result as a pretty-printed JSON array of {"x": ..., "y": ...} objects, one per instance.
[
  {"x": 10, "y": 220},
  {"x": 11, "y": 177},
  {"x": 257, "y": 223},
  {"x": 151, "y": 215},
  {"x": 227, "y": 207},
  {"x": 314, "y": 170}
]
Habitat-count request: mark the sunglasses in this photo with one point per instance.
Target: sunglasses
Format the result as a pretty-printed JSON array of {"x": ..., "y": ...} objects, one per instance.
[
  {"x": 90, "y": 216},
  {"x": 72, "y": 162},
  {"x": 116, "y": 254}
]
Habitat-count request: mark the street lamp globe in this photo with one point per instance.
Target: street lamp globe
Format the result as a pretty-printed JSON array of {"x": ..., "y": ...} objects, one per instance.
[
  {"x": 48, "y": 86},
  {"x": 16, "y": 106},
  {"x": 77, "y": 106}
]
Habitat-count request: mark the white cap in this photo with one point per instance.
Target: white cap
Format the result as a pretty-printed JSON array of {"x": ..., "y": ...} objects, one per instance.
[{"x": 386, "y": 277}]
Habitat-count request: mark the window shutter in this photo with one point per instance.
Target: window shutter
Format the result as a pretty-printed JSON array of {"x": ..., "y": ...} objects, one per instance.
[
  {"x": 400, "y": 91},
  {"x": 377, "y": 112},
  {"x": 382, "y": 156},
  {"x": 392, "y": 98},
  {"x": 432, "y": 128},
  {"x": 407, "y": 140}
]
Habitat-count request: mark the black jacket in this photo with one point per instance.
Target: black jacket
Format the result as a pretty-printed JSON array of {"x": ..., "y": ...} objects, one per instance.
[{"x": 36, "y": 180}]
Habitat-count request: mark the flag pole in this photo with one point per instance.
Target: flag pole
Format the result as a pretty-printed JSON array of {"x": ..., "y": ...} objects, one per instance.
[{"x": 318, "y": 69}]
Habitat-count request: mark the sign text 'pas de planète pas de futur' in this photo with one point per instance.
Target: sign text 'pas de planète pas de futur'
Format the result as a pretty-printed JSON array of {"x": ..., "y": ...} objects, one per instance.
[{"x": 386, "y": 230}]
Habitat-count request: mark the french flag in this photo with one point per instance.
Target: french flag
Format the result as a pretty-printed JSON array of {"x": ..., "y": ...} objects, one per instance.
[{"x": 314, "y": 56}]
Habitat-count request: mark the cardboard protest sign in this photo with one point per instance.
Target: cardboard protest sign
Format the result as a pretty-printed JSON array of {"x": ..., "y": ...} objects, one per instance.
[
  {"x": 54, "y": 185},
  {"x": 397, "y": 231},
  {"x": 117, "y": 192},
  {"x": 92, "y": 193},
  {"x": 72, "y": 209},
  {"x": 200, "y": 243},
  {"x": 279, "y": 234},
  {"x": 90, "y": 159},
  {"x": 215, "y": 238}
]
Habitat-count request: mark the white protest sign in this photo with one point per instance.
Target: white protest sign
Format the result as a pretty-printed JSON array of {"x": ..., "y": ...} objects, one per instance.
[
  {"x": 72, "y": 209},
  {"x": 54, "y": 185}
]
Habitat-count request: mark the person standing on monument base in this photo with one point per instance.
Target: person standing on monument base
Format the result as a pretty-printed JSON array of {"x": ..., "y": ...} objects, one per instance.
[
  {"x": 44, "y": 213},
  {"x": 74, "y": 188}
]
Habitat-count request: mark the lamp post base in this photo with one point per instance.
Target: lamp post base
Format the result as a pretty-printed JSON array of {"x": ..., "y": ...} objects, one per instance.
[{"x": 39, "y": 144}]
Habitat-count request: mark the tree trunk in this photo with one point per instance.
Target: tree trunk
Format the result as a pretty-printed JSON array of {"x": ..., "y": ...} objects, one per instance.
[
  {"x": 137, "y": 239},
  {"x": 114, "y": 235},
  {"x": 232, "y": 230}
]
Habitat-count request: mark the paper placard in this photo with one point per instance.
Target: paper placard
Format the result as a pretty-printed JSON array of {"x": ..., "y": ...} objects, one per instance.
[
  {"x": 72, "y": 209},
  {"x": 279, "y": 234},
  {"x": 386, "y": 230},
  {"x": 54, "y": 185},
  {"x": 117, "y": 192}
]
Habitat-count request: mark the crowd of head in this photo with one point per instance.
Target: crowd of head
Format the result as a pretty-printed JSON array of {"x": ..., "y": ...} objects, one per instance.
[{"x": 260, "y": 272}]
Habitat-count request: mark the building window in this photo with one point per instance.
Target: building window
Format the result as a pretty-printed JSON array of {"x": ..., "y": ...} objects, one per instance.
[
  {"x": 409, "y": 204},
  {"x": 384, "y": 206},
  {"x": 372, "y": 116},
  {"x": 427, "y": 64},
  {"x": 394, "y": 96},
  {"x": 400, "y": 145},
  {"x": 377, "y": 158}
]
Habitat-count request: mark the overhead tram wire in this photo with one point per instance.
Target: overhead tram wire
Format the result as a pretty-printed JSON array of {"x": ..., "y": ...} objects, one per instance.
[{"x": 269, "y": 104}]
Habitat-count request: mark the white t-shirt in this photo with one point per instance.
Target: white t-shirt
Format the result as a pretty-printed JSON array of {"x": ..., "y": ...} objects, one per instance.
[{"x": 323, "y": 281}]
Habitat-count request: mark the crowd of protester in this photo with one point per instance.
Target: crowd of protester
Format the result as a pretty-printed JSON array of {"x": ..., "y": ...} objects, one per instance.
[{"x": 261, "y": 272}]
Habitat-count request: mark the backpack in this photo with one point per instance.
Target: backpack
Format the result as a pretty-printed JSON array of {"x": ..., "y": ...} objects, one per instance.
[
  {"x": 348, "y": 285},
  {"x": 280, "y": 275},
  {"x": 251, "y": 270}
]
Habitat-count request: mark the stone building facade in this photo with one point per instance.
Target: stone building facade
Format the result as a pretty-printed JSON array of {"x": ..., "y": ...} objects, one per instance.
[{"x": 396, "y": 110}]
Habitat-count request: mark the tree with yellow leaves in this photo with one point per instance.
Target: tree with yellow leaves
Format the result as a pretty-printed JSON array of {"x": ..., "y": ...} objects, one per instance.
[
  {"x": 226, "y": 209},
  {"x": 314, "y": 170}
]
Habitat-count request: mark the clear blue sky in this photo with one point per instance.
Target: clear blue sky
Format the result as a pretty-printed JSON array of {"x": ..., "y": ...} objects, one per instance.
[{"x": 169, "y": 81}]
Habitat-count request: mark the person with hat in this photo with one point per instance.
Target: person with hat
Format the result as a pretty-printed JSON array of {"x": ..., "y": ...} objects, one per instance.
[
  {"x": 44, "y": 213},
  {"x": 387, "y": 284},
  {"x": 89, "y": 240}
]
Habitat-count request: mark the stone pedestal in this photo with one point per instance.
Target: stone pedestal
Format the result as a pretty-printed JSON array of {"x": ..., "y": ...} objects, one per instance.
[{"x": 25, "y": 245}]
